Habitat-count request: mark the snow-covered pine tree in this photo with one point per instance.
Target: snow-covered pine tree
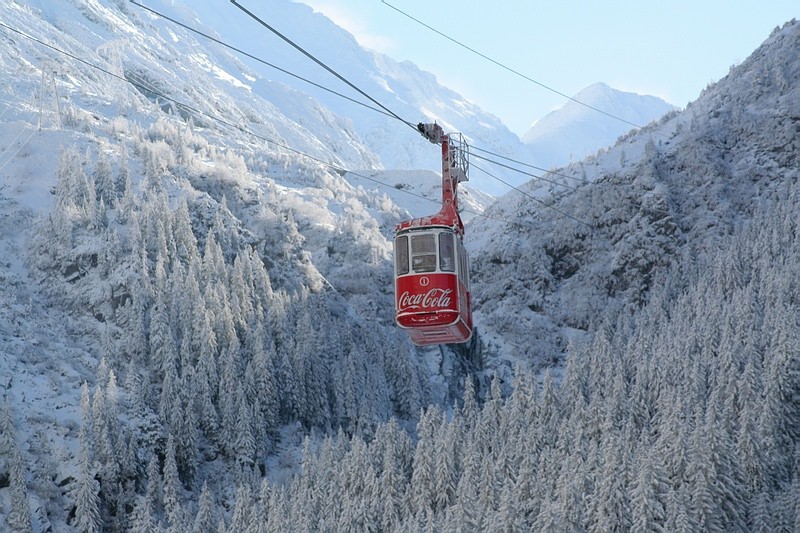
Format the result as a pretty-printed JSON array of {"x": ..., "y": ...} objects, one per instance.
[
  {"x": 86, "y": 493},
  {"x": 143, "y": 520},
  {"x": 648, "y": 495},
  {"x": 153, "y": 491},
  {"x": 104, "y": 179},
  {"x": 172, "y": 489},
  {"x": 244, "y": 444},
  {"x": 186, "y": 428},
  {"x": 266, "y": 394},
  {"x": 241, "y": 519},
  {"x": 421, "y": 496},
  {"x": 12, "y": 466},
  {"x": 446, "y": 463},
  {"x": 206, "y": 519},
  {"x": 394, "y": 446}
]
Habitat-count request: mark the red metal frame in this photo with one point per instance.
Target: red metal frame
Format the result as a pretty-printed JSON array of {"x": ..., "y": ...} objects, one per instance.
[{"x": 454, "y": 170}]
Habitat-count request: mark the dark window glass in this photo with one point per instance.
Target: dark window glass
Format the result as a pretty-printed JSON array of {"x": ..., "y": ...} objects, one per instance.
[
  {"x": 401, "y": 255},
  {"x": 447, "y": 260}
]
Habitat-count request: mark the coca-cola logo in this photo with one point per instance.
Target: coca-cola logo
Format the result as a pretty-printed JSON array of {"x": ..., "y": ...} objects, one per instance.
[{"x": 433, "y": 299}]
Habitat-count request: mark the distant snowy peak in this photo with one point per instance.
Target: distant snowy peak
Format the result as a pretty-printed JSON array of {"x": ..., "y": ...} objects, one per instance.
[
  {"x": 583, "y": 108},
  {"x": 578, "y": 129}
]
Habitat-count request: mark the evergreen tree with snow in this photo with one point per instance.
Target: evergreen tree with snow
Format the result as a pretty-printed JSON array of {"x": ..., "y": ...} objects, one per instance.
[
  {"x": 172, "y": 489},
  {"x": 12, "y": 465},
  {"x": 86, "y": 494},
  {"x": 143, "y": 520},
  {"x": 206, "y": 519}
]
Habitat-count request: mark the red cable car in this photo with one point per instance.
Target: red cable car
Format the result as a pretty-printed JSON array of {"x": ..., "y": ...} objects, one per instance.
[{"x": 432, "y": 297}]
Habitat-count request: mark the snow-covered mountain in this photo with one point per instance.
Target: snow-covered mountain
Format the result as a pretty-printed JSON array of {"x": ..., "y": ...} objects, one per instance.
[
  {"x": 662, "y": 194},
  {"x": 196, "y": 319},
  {"x": 401, "y": 87},
  {"x": 577, "y": 129}
]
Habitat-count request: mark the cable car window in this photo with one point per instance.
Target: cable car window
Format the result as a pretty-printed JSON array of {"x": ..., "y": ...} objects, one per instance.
[
  {"x": 423, "y": 252},
  {"x": 447, "y": 259},
  {"x": 401, "y": 255}
]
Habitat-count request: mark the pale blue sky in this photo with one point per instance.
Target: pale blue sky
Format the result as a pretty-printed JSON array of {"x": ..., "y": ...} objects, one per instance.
[{"x": 671, "y": 49}]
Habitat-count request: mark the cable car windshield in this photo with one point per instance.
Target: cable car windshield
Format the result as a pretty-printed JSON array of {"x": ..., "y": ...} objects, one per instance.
[
  {"x": 427, "y": 251},
  {"x": 423, "y": 252}
]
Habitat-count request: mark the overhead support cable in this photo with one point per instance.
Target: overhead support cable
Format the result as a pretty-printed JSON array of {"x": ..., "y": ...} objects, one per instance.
[
  {"x": 538, "y": 200},
  {"x": 389, "y": 114},
  {"x": 509, "y": 69},
  {"x": 523, "y": 172},
  {"x": 181, "y": 105},
  {"x": 320, "y": 63},
  {"x": 517, "y": 161},
  {"x": 258, "y": 59}
]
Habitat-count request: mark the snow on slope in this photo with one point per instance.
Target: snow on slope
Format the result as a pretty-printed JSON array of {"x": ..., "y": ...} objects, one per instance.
[
  {"x": 668, "y": 190},
  {"x": 575, "y": 131},
  {"x": 167, "y": 60},
  {"x": 412, "y": 94}
]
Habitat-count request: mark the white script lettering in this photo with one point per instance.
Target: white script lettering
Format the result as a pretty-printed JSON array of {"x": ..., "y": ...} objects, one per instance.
[{"x": 433, "y": 299}]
